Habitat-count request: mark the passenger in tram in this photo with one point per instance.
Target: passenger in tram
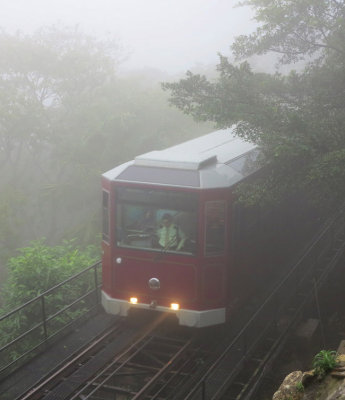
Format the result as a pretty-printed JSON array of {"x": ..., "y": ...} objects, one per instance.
[
  {"x": 145, "y": 222},
  {"x": 170, "y": 235}
]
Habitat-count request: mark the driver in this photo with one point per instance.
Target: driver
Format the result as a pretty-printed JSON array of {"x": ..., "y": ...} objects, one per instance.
[{"x": 170, "y": 235}]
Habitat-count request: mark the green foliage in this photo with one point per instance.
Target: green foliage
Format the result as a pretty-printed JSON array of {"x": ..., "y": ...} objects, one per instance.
[
  {"x": 36, "y": 269},
  {"x": 39, "y": 267},
  {"x": 324, "y": 361},
  {"x": 66, "y": 116},
  {"x": 294, "y": 29},
  {"x": 297, "y": 119}
]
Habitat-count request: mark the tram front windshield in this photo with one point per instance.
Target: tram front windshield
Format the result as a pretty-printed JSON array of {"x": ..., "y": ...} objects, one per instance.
[{"x": 157, "y": 220}]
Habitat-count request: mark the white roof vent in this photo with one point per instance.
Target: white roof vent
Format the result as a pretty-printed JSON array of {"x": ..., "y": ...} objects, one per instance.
[{"x": 182, "y": 161}]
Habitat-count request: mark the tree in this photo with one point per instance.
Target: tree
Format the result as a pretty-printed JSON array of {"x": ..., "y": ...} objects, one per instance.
[
  {"x": 66, "y": 116},
  {"x": 295, "y": 29},
  {"x": 298, "y": 119},
  {"x": 52, "y": 88}
]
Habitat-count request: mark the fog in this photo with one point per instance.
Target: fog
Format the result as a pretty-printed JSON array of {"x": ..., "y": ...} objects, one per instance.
[
  {"x": 169, "y": 35},
  {"x": 105, "y": 111}
]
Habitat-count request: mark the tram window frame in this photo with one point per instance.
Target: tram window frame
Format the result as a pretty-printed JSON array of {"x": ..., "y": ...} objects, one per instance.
[
  {"x": 209, "y": 209},
  {"x": 158, "y": 201},
  {"x": 105, "y": 216}
]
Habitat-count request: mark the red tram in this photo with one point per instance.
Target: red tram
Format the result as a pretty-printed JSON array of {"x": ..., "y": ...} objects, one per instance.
[{"x": 172, "y": 237}]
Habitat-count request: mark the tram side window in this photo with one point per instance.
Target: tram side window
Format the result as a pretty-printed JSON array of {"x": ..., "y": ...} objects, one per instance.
[
  {"x": 215, "y": 227},
  {"x": 106, "y": 216}
]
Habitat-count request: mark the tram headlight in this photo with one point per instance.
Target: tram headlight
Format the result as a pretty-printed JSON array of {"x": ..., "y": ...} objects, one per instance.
[
  {"x": 175, "y": 306},
  {"x": 133, "y": 300}
]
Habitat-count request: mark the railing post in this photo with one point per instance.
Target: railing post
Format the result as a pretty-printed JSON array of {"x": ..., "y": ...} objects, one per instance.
[
  {"x": 96, "y": 284},
  {"x": 44, "y": 319}
]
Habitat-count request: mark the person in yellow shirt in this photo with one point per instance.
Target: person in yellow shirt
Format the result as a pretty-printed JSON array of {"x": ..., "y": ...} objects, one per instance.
[{"x": 170, "y": 236}]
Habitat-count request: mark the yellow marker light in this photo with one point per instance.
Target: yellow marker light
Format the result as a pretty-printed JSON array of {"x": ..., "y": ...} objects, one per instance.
[
  {"x": 133, "y": 300},
  {"x": 174, "y": 306}
]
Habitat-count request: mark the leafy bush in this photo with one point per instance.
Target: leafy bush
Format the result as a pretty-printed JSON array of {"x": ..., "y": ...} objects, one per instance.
[
  {"x": 36, "y": 269},
  {"x": 324, "y": 361}
]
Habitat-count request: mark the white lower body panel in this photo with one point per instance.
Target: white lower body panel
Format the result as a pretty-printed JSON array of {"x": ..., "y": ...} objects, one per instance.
[{"x": 192, "y": 318}]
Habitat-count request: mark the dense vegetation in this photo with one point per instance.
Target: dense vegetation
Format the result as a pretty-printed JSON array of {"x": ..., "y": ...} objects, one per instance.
[
  {"x": 36, "y": 269},
  {"x": 39, "y": 267},
  {"x": 66, "y": 116},
  {"x": 298, "y": 118}
]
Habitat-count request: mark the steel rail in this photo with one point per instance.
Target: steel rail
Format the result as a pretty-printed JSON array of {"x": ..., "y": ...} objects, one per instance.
[
  {"x": 75, "y": 359},
  {"x": 200, "y": 385},
  {"x": 275, "y": 347},
  {"x": 167, "y": 366},
  {"x": 140, "y": 343}
]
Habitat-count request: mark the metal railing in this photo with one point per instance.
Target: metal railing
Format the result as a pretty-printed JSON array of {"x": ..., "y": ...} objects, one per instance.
[{"x": 29, "y": 328}]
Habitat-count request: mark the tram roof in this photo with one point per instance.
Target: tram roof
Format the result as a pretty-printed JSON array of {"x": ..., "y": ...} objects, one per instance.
[{"x": 217, "y": 159}]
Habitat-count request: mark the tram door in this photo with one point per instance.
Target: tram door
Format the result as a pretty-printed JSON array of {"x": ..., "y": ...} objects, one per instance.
[{"x": 213, "y": 280}]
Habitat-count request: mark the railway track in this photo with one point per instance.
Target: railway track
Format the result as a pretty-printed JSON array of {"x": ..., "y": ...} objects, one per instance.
[
  {"x": 100, "y": 345},
  {"x": 236, "y": 374},
  {"x": 158, "y": 361},
  {"x": 139, "y": 368},
  {"x": 174, "y": 364},
  {"x": 126, "y": 361}
]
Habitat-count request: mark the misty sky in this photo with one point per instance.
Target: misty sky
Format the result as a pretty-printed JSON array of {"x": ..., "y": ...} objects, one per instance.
[{"x": 171, "y": 35}]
